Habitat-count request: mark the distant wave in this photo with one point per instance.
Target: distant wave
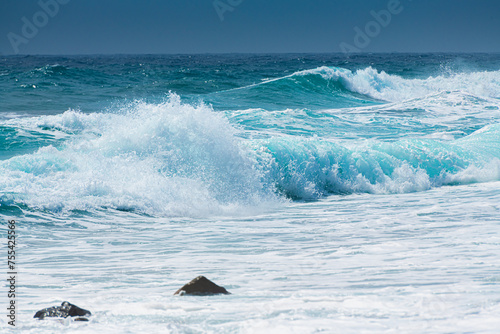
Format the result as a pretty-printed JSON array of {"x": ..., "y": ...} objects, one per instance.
[
  {"x": 371, "y": 84},
  {"x": 51, "y": 69},
  {"x": 306, "y": 89}
]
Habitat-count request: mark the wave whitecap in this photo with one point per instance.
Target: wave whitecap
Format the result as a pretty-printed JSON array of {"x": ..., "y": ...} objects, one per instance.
[{"x": 169, "y": 158}]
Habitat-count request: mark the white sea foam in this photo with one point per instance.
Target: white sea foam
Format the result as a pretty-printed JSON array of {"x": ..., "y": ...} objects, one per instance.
[{"x": 417, "y": 262}]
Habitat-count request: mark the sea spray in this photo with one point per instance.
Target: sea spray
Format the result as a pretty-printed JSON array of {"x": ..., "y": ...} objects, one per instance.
[{"x": 169, "y": 158}]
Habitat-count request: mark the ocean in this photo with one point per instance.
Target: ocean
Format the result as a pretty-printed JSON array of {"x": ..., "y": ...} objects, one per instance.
[{"x": 327, "y": 193}]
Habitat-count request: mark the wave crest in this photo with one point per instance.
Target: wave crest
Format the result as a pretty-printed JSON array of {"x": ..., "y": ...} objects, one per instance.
[
  {"x": 169, "y": 158},
  {"x": 394, "y": 88}
]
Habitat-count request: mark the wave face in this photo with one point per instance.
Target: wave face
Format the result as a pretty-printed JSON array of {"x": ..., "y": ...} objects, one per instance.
[
  {"x": 310, "y": 169},
  {"x": 238, "y": 140},
  {"x": 316, "y": 88}
]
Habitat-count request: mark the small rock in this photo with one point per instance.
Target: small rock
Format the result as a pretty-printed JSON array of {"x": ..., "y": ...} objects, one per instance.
[
  {"x": 201, "y": 286},
  {"x": 65, "y": 310}
]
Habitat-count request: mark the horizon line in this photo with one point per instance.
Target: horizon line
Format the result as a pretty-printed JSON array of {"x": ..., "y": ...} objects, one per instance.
[{"x": 247, "y": 53}]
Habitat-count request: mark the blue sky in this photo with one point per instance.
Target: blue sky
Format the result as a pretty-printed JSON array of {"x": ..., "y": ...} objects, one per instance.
[{"x": 260, "y": 26}]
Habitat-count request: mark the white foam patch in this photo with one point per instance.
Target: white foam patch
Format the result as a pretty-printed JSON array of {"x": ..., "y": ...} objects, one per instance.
[{"x": 474, "y": 174}]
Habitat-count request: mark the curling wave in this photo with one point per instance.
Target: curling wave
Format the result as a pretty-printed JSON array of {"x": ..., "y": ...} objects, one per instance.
[{"x": 366, "y": 85}]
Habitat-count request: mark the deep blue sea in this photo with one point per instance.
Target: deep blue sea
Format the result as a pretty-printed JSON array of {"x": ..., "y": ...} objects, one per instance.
[{"x": 327, "y": 193}]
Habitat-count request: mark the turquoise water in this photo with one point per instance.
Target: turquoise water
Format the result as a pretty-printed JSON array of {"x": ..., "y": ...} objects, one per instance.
[{"x": 327, "y": 193}]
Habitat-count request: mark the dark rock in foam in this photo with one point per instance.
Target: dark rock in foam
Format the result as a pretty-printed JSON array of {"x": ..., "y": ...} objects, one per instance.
[
  {"x": 65, "y": 310},
  {"x": 201, "y": 286}
]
